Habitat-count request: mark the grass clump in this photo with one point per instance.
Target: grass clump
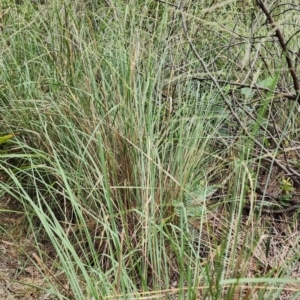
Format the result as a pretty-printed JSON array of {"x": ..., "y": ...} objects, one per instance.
[{"x": 129, "y": 177}]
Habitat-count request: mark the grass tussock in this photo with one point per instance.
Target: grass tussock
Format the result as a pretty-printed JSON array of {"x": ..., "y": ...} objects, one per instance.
[{"x": 141, "y": 141}]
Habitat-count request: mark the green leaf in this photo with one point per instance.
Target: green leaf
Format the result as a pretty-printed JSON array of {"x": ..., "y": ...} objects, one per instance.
[
  {"x": 267, "y": 83},
  {"x": 5, "y": 138},
  {"x": 286, "y": 197},
  {"x": 249, "y": 93}
]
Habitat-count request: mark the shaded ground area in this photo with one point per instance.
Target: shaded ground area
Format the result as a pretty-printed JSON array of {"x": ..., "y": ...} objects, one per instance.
[
  {"x": 24, "y": 274},
  {"x": 20, "y": 276}
]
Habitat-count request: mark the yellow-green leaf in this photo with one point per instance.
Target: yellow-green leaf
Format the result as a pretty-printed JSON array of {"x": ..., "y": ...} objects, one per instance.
[{"x": 5, "y": 138}]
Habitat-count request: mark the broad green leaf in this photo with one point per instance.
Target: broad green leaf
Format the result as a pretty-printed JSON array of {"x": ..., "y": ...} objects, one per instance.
[{"x": 267, "y": 83}]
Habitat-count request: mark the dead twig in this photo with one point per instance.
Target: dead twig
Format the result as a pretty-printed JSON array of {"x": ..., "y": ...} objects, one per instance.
[
  {"x": 293, "y": 174},
  {"x": 283, "y": 45}
]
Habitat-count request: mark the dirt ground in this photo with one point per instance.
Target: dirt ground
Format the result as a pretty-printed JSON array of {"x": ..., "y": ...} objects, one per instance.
[{"x": 20, "y": 277}]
